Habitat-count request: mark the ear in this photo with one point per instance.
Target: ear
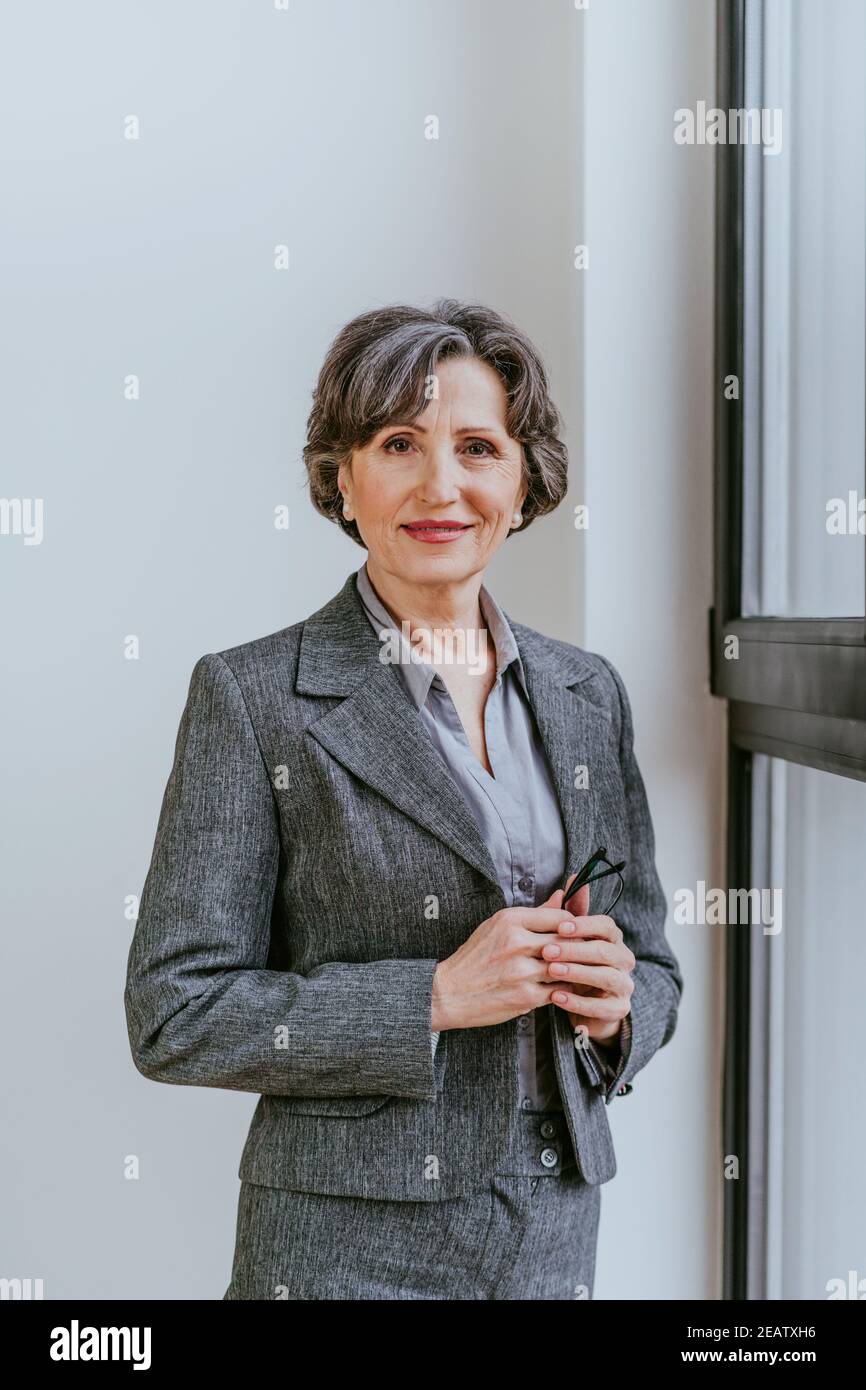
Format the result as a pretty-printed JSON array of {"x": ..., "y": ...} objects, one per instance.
[{"x": 344, "y": 479}]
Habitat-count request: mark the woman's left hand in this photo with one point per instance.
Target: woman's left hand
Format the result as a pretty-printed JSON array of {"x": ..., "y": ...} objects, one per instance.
[{"x": 592, "y": 966}]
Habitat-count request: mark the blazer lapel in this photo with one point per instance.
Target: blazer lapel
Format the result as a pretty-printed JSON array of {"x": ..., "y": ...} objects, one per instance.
[
  {"x": 377, "y": 734},
  {"x": 376, "y": 731},
  {"x": 572, "y": 727},
  {"x": 560, "y": 687}
]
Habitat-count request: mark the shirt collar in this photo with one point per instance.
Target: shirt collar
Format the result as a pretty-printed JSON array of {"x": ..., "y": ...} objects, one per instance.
[{"x": 418, "y": 675}]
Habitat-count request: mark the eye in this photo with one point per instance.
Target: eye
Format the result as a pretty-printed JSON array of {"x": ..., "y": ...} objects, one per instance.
[
  {"x": 487, "y": 449},
  {"x": 397, "y": 439}
]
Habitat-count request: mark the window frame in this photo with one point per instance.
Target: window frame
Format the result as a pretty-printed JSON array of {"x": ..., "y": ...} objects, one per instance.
[{"x": 800, "y": 696}]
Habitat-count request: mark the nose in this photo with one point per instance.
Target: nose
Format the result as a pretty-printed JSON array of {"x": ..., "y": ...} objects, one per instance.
[{"x": 438, "y": 482}]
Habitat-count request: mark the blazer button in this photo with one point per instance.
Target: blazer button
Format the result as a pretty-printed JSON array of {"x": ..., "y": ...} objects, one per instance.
[
  {"x": 548, "y": 1129},
  {"x": 549, "y": 1158},
  {"x": 525, "y": 883}
]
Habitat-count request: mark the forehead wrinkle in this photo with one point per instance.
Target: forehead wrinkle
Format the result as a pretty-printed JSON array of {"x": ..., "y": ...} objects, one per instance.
[{"x": 447, "y": 410}]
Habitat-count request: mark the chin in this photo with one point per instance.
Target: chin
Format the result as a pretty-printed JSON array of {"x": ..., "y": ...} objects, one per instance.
[{"x": 436, "y": 564}]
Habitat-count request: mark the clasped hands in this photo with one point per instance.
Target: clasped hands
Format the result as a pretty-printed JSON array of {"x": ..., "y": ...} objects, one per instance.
[
  {"x": 592, "y": 962},
  {"x": 522, "y": 958}
]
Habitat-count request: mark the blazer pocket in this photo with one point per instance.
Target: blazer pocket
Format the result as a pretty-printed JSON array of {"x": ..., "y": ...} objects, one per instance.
[{"x": 340, "y": 1106}]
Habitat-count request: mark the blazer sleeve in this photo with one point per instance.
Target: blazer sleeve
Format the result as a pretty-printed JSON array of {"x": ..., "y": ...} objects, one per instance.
[
  {"x": 641, "y": 914},
  {"x": 202, "y": 1009}
]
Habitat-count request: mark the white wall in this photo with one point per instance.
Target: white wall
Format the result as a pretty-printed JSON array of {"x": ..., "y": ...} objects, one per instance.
[{"x": 648, "y": 305}]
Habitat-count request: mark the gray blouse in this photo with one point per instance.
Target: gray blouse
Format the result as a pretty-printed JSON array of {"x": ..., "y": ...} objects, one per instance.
[{"x": 516, "y": 810}]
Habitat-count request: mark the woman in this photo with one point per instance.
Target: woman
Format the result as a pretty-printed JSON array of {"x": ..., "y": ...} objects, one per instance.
[{"x": 355, "y": 903}]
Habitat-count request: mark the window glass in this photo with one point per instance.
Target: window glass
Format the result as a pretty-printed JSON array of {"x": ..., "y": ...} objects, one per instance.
[
  {"x": 805, "y": 264},
  {"x": 815, "y": 1099}
]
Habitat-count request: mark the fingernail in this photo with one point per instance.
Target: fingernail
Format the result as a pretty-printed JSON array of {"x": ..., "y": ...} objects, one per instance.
[
  {"x": 567, "y": 927},
  {"x": 559, "y": 969},
  {"x": 560, "y": 997},
  {"x": 552, "y": 951}
]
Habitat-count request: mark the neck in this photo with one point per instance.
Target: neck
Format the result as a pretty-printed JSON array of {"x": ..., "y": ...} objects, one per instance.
[{"x": 445, "y": 605}]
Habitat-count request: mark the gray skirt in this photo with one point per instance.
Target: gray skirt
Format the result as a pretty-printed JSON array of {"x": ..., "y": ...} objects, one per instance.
[{"x": 525, "y": 1237}]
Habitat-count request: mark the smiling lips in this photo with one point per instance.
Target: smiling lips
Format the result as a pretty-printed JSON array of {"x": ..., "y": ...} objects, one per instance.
[{"x": 436, "y": 532}]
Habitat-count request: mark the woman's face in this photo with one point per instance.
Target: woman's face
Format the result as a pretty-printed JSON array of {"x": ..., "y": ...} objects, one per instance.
[{"x": 434, "y": 498}]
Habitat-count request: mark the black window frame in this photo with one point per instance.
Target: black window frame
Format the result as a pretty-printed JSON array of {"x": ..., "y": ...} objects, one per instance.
[{"x": 798, "y": 689}]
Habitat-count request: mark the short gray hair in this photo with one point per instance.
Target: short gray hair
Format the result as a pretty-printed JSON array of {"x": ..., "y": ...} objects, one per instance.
[{"x": 376, "y": 371}]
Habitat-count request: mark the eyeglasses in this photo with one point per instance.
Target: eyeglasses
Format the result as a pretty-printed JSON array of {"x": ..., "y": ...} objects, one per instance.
[{"x": 586, "y": 875}]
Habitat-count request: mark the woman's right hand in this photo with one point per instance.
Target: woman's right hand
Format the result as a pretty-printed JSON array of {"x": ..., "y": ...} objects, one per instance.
[{"x": 499, "y": 971}]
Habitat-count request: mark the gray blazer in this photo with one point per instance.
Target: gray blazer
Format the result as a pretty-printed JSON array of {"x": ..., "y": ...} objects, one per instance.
[{"x": 313, "y": 863}]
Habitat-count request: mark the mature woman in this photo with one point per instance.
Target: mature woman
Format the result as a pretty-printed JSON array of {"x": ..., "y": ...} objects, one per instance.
[{"x": 355, "y": 904}]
